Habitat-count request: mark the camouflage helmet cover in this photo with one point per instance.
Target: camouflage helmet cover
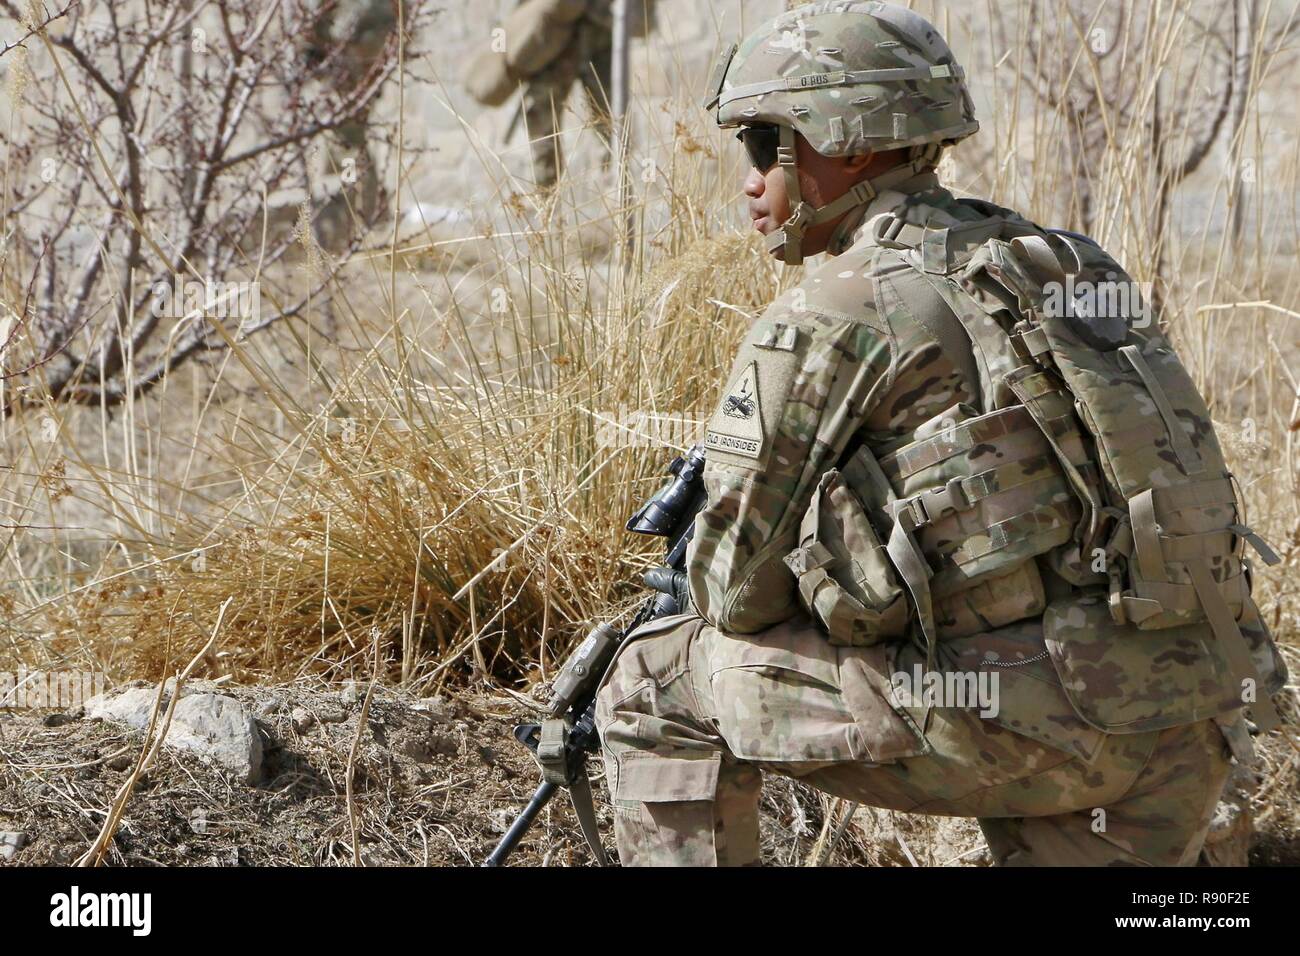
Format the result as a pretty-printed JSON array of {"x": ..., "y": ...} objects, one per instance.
[{"x": 849, "y": 76}]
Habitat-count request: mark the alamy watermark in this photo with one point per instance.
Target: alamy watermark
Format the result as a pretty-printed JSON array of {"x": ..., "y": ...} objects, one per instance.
[
  {"x": 1111, "y": 298},
  {"x": 208, "y": 297},
  {"x": 57, "y": 690},
  {"x": 133, "y": 911},
  {"x": 961, "y": 689}
]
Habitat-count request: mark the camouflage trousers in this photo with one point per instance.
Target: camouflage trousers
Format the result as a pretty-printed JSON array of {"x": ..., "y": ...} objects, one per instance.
[
  {"x": 691, "y": 716},
  {"x": 544, "y": 100}
]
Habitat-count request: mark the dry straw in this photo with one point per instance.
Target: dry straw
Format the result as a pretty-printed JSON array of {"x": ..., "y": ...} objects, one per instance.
[{"x": 440, "y": 469}]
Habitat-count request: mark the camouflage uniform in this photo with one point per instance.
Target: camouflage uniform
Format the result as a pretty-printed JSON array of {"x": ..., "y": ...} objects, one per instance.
[
  {"x": 697, "y": 705},
  {"x": 364, "y": 27},
  {"x": 587, "y": 59},
  {"x": 691, "y": 715}
]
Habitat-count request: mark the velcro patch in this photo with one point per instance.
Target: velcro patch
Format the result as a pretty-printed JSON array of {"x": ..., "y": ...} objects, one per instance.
[{"x": 780, "y": 336}]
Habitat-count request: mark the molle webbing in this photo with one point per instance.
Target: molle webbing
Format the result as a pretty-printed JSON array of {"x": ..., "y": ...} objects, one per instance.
[
  {"x": 1020, "y": 528},
  {"x": 958, "y": 494},
  {"x": 975, "y": 501},
  {"x": 916, "y": 457},
  {"x": 1131, "y": 432}
]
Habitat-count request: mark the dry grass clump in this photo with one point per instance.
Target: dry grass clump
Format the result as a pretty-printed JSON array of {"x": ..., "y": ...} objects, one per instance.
[
  {"x": 471, "y": 513},
  {"x": 446, "y": 452}
]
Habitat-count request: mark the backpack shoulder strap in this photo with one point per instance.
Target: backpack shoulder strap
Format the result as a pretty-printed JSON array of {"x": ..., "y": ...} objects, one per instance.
[
  {"x": 940, "y": 246},
  {"x": 901, "y": 288}
]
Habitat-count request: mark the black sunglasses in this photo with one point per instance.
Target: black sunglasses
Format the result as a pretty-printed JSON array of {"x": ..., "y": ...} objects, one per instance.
[{"x": 760, "y": 142}]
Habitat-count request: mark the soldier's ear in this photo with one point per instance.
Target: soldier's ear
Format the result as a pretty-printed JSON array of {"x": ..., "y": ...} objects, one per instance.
[{"x": 858, "y": 162}]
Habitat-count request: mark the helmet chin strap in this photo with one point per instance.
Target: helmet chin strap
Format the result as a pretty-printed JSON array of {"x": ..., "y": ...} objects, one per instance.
[{"x": 789, "y": 235}]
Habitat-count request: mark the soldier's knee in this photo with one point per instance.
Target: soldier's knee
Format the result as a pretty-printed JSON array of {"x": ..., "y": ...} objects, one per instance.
[{"x": 647, "y": 678}]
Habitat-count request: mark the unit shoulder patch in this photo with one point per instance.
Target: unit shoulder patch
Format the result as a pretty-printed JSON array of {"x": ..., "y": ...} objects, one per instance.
[{"x": 737, "y": 426}]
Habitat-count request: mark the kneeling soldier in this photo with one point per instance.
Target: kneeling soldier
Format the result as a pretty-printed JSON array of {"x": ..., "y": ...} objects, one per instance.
[{"x": 931, "y": 477}]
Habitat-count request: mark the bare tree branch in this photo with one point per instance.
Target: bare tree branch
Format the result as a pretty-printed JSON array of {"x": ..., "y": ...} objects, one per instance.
[
  {"x": 35, "y": 29},
  {"x": 150, "y": 159}
]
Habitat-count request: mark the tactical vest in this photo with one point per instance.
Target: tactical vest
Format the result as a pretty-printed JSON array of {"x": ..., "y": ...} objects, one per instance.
[{"x": 1091, "y": 490}]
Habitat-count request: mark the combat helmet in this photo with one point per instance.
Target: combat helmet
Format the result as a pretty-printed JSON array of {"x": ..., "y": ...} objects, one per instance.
[{"x": 850, "y": 77}]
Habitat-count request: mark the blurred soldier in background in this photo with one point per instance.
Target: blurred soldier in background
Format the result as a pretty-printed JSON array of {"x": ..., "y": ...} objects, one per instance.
[
  {"x": 346, "y": 42},
  {"x": 545, "y": 46}
]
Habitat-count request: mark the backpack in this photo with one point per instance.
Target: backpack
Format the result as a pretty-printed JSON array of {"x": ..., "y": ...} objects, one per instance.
[{"x": 1139, "y": 520}]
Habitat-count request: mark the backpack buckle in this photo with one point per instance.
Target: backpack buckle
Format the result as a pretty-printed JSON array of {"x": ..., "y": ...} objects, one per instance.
[
  {"x": 885, "y": 229},
  {"x": 1115, "y": 593},
  {"x": 910, "y": 513},
  {"x": 803, "y": 560},
  {"x": 929, "y": 506}
]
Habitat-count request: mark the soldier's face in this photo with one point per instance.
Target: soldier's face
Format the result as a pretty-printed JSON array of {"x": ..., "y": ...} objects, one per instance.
[{"x": 822, "y": 179}]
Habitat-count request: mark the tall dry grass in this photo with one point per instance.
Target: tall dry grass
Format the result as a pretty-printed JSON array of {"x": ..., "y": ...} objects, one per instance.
[
  {"x": 452, "y": 466},
  {"x": 452, "y": 471}
]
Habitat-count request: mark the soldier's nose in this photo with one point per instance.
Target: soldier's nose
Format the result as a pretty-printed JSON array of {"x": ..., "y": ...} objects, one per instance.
[{"x": 754, "y": 183}]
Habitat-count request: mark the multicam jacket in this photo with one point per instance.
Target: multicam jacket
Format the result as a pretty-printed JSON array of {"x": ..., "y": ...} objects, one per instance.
[
  {"x": 880, "y": 459},
  {"x": 824, "y": 364}
]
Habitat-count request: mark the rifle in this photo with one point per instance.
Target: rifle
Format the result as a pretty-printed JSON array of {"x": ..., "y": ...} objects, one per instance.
[{"x": 563, "y": 741}]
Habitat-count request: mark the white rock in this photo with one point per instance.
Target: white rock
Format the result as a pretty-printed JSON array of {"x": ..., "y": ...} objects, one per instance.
[
  {"x": 302, "y": 720},
  {"x": 217, "y": 727},
  {"x": 10, "y": 843},
  {"x": 131, "y": 707}
]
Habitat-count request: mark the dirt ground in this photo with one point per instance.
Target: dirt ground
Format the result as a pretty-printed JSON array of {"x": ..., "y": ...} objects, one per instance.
[{"x": 436, "y": 783}]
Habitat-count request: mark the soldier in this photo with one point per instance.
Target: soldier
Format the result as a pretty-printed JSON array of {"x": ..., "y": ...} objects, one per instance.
[
  {"x": 549, "y": 45},
  {"x": 586, "y": 59},
  {"x": 354, "y": 33},
  {"x": 904, "y": 506}
]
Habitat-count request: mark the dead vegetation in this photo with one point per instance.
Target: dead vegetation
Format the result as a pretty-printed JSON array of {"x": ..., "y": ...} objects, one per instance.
[
  {"x": 437, "y": 782},
  {"x": 445, "y": 455}
]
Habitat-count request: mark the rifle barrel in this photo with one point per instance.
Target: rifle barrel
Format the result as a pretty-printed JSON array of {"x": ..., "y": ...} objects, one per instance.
[{"x": 541, "y": 796}]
